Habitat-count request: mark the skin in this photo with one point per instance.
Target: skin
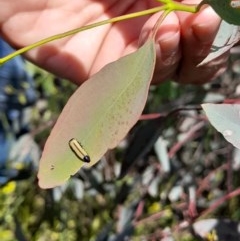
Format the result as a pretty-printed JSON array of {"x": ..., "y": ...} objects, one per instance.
[{"x": 183, "y": 39}]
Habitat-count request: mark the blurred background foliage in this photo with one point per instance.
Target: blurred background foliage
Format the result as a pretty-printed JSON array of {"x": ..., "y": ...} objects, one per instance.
[{"x": 173, "y": 177}]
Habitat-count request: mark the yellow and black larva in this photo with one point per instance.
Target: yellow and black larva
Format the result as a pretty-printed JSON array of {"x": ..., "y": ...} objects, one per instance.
[{"x": 78, "y": 150}]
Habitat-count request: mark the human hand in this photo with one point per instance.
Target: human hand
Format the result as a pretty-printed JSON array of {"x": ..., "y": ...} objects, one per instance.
[{"x": 183, "y": 40}]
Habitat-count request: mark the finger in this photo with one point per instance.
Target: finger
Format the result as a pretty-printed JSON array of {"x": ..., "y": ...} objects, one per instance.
[
  {"x": 197, "y": 34},
  {"x": 167, "y": 45}
]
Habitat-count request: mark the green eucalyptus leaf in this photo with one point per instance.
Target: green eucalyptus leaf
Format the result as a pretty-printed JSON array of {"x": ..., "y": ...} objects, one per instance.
[
  {"x": 227, "y": 36},
  {"x": 229, "y": 10},
  {"x": 98, "y": 115},
  {"x": 226, "y": 119}
]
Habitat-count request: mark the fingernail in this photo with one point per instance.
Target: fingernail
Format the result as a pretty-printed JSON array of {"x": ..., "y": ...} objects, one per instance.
[
  {"x": 206, "y": 25},
  {"x": 169, "y": 45}
]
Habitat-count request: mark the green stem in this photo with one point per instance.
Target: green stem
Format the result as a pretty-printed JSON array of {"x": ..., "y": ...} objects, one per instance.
[
  {"x": 77, "y": 30},
  {"x": 158, "y": 23},
  {"x": 176, "y": 6},
  {"x": 173, "y": 6},
  {"x": 168, "y": 6}
]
